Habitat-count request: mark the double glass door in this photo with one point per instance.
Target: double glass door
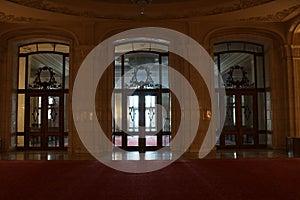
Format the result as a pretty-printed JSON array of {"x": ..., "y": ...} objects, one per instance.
[
  {"x": 44, "y": 121},
  {"x": 240, "y": 128},
  {"x": 146, "y": 122}
]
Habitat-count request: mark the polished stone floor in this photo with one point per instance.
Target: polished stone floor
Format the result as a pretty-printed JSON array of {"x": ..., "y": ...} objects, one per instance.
[{"x": 217, "y": 154}]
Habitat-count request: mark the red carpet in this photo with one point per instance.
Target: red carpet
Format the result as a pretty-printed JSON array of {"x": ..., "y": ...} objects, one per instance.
[{"x": 194, "y": 179}]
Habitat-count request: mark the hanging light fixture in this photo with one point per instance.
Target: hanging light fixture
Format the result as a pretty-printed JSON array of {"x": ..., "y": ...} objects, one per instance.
[{"x": 141, "y": 4}]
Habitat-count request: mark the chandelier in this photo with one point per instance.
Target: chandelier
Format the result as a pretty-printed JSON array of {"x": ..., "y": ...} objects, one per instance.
[{"x": 141, "y": 4}]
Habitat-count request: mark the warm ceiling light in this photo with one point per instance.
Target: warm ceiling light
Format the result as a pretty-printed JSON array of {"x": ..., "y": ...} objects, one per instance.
[{"x": 141, "y": 4}]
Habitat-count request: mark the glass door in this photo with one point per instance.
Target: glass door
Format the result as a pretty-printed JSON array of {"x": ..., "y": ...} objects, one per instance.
[
  {"x": 141, "y": 81},
  {"x": 43, "y": 122},
  {"x": 142, "y": 121},
  {"x": 240, "y": 128}
]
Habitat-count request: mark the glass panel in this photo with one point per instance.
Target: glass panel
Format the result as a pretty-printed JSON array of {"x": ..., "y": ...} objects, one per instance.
[
  {"x": 118, "y": 72},
  {"x": 46, "y": 47},
  {"x": 254, "y": 48},
  {"x": 260, "y": 71},
  {"x": 45, "y": 71},
  {"x": 28, "y": 48},
  {"x": 230, "y": 139},
  {"x": 146, "y": 44},
  {"x": 35, "y": 141},
  {"x": 118, "y": 112},
  {"x": 123, "y": 48},
  {"x": 150, "y": 113},
  {"x": 230, "y": 120},
  {"x": 247, "y": 111},
  {"x": 166, "y": 140},
  {"x": 20, "y": 141},
  {"x": 166, "y": 112},
  {"x": 21, "y": 112},
  {"x": 248, "y": 139},
  {"x": 35, "y": 114},
  {"x": 237, "y": 70},
  {"x": 53, "y": 113},
  {"x": 216, "y": 65},
  {"x": 269, "y": 112},
  {"x": 117, "y": 140},
  {"x": 262, "y": 138},
  {"x": 165, "y": 71},
  {"x": 132, "y": 140},
  {"x": 66, "y": 141},
  {"x": 159, "y": 47},
  {"x": 261, "y": 111},
  {"x": 66, "y": 113},
  {"x": 62, "y": 48},
  {"x": 145, "y": 68},
  {"x": 218, "y": 141},
  {"x": 220, "y": 47},
  {"x": 132, "y": 113},
  {"x": 22, "y": 70},
  {"x": 151, "y": 140},
  {"x": 67, "y": 73},
  {"x": 237, "y": 46},
  {"x": 53, "y": 141}
]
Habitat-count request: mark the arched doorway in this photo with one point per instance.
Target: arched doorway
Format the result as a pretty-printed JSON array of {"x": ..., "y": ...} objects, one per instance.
[
  {"x": 141, "y": 84},
  {"x": 43, "y": 85},
  {"x": 241, "y": 65}
]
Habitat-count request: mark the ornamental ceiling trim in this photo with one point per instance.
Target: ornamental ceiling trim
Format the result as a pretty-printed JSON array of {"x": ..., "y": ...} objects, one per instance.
[
  {"x": 48, "y": 5},
  {"x": 5, "y": 18},
  {"x": 277, "y": 17}
]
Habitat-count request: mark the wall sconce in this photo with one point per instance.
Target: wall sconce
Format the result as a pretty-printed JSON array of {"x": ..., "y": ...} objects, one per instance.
[{"x": 206, "y": 114}]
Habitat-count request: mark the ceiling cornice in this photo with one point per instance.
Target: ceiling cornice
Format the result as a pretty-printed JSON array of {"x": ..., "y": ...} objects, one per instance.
[
  {"x": 161, "y": 10},
  {"x": 8, "y": 18},
  {"x": 276, "y": 17}
]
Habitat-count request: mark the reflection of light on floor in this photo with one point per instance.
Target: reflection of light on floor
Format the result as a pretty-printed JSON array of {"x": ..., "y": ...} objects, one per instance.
[
  {"x": 135, "y": 155},
  {"x": 149, "y": 155},
  {"x": 234, "y": 155}
]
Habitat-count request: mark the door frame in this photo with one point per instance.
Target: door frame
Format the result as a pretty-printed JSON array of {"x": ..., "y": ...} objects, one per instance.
[
  {"x": 44, "y": 132},
  {"x": 239, "y": 130},
  {"x": 142, "y": 140}
]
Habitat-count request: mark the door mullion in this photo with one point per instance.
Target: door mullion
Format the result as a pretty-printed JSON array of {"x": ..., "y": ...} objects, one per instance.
[
  {"x": 142, "y": 130},
  {"x": 239, "y": 127},
  {"x": 44, "y": 128}
]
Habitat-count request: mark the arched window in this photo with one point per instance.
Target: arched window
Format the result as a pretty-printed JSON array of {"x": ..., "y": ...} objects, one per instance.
[
  {"x": 241, "y": 65},
  {"x": 43, "y": 86}
]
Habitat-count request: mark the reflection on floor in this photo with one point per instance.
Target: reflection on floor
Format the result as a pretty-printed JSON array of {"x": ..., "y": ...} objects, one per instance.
[{"x": 218, "y": 154}]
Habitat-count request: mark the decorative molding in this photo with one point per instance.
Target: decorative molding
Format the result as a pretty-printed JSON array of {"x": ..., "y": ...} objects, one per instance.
[
  {"x": 238, "y": 81},
  {"x": 241, "y": 4},
  {"x": 193, "y": 12},
  {"x": 48, "y": 6},
  {"x": 296, "y": 52},
  {"x": 12, "y": 18},
  {"x": 277, "y": 17}
]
